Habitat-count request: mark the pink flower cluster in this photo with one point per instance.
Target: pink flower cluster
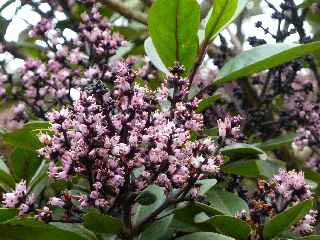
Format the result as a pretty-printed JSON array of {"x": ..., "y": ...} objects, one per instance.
[
  {"x": 44, "y": 84},
  {"x": 96, "y": 31},
  {"x": 289, "y": 187},
  {"x": 306, "y": 225},
  {"x": 229, "y": 129},
  {"x": 41, "y": 28},
  {"x": 19, "y": 199},
  {"x": 107, "y": 135}
]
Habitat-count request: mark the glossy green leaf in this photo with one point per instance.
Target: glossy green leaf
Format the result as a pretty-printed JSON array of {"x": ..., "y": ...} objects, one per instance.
[
  {"x": 204, "y": 236},
  {"x": 254, "y": 168},
  {"x": 39, "y": 180},
  {"x": 277, "y": 143},
  {"x": 284, "y": 220},
  {"x": 26, "y": 137},
  {"x": 230, "y": 226},
  {"x": 158, "y": 229},
  {"x": 154, "y": 56},
  {"x": 206, "y": 185},
  {"x": 7, "y": 182},
  {"x": 7, "y": 213},
  {"x": 146, "y": 198},
  {"x": 30, "y": 229},
  {"x": 24, "y": 163},
  {"x": 222, "y": 14},
  {"x": 312, "y": 237},
  {"x": 173, "y": 27},
  {"x": 225, "y": 202},
  {"x": 142, "y": 211},
  {"x": 240, "y": 150},
  {"x": 263, "y": 57},
  {"x": 207, "y": 102},
  {"x": 101, "y": 223}
]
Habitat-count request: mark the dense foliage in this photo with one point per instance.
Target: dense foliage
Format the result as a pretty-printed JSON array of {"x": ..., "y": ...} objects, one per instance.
[{"x": 148, "y": 120}]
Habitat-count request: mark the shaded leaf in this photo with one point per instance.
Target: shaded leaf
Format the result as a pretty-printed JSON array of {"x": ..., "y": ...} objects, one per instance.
[
  {"x": 263, "y": 57},
  {"x": 284, "y": 220},
  {"x": 276, "y": 143},
  {"x": 254, "y": 168},
  {"x": 230, "y": 226},
  {"x": 240, "y": 150},
  {"x": 204, "y": 236},
  {"x": 154, "y": 56},
  {"x": 101, "y": 223},
  {"x": 207, "y": 102}
]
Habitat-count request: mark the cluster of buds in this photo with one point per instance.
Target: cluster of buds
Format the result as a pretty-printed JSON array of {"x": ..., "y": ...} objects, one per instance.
[
  {"x": 19, "y": 199},
  {"x": 229, "y": 129},
  {"x": 41, "y": 28},
  {"x": 106, "y": 135},
  {"x": 97, "y": 32}
]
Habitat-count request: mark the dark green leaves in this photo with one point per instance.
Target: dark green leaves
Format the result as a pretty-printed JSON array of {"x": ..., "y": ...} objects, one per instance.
[
  {"x": 222, "y": 13},
  {"x": 240, "y": 150},
  {"x": 207, "y": 102},
  {"x": 254, "y": 168},
  {"x": 101, "y": 223},
  {"x": 225, "y": 202},
  {"x": 263, "y": 57},
  {"x": 173, "y": 27},
  {"x": 278, "y": 142},
  {"x": 30, "y": 229},
  {"x": 230, "y": 226},
  {"x": 26, "y": 137},
  {"x": 205, "y": 236},
  {"x": 284, "y": 220}
]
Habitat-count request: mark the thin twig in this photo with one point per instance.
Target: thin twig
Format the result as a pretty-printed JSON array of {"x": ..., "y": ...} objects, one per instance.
[{"x": 126, "y": 11}]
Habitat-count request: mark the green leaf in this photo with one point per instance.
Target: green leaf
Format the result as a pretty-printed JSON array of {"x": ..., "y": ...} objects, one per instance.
[
  {"x": 254, "y": 168},
  {"x": 26, "y": 137},
  {"x": 7, "y": 182},
  {"x": 173, "y": 27},
  {"x": 207, "y": 102},
  {"x": 240, "y": 150},
  {"x": 204, "y": 236},
  {"x": 154, "y": 56},
  {"x": 30, "y": 229},
  {"x": 206, "y": 185},
  {"x": 225, "y": 202},
  {"x": 143, "y": 211},
  {"x": 263, "y": 57},
  {"x": 39, "y": 180},
  {"x": 276, "y": 143},
  {"x": 3, "y": 26},
  {"x": 230, "y": 226},
  {"x": 101, "y": 223},
  {"x": 146, "y": 198},
  {"x": 284, "y": 220},
  {"x": 24, "y": 163},
  {"x": 221, "y": 15},
  {"x": 7, "y": 213},
  {"x": 312, "y": 237},
  {"x": 158, "y": 229}
]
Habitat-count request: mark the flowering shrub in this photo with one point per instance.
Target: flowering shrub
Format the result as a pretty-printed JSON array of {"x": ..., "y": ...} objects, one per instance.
[{"x": 123, "y": 125}]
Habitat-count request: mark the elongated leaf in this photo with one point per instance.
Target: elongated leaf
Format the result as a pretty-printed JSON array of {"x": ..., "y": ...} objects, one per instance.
[
  {"x": 207, "y": 102},
  {"x": 39, "y": 180},
  {"x": 240, "y": 150},
  {"x": 263, "y": 57},
  {"x": 24, "y": 163},
  {"x": 7, "y": 213},
  {"x": 312, "y": 237},
  {"x": 278, "y": 142},
  {"x": 30, "y": 229},
  {"x": 284, "y": 220},
  {"x": 254, "y": 168},
  {"x": 173, "y": 27},
  {"x": 230, "y": 226},
  {"x": 26, "y": 137},
  {"x": 158, "y": 229},
  {"x": 222, "y": 14},
  {"x": 7, "y": 182},
  {"x": 154, "y": 56},
  {"x": 143, "y": 211},
  {"x": 101, "y": 223},
  {"x": 225, "y": 202},
  {"x": 205, "y": 236}
]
